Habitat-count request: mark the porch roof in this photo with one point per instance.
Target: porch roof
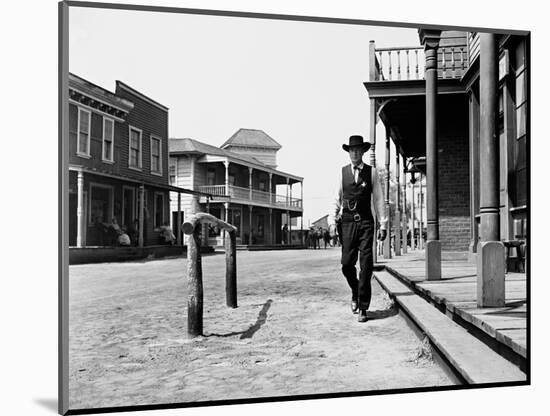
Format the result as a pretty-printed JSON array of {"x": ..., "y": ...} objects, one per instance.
[
  {"x": 171, "y": 188},
  {"x": 183, "y": 146}
]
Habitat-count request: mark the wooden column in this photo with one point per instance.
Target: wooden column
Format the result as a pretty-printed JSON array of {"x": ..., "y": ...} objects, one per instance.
[
  {"x": 141, "y": 215},
  {"x": 474, "y": 170},
  {"x": 397, "y": 205},
  {"x": 387, "y": 241},
  {"x": 178, "y": 228},
  {"x": 430, "y": 39},
  {"x": 405, "y": 216},
  {"x": 413, "y": 214},
  {"x": 421, "y": 200},
  {"x": 194, "y": 285},
  {"x": 250, "y": 184},
  {"x": 249, "y": 224},
  {"x": 231, "y": 269},
  {"x": 302, "y": 216},
  {"x": 271, "y": 201},
  {"x": 271, "y": 233},
  {"x": 80, "y": 220},
  {"x": 372, "y": 160},
  {"x": 490, "y": 251}
]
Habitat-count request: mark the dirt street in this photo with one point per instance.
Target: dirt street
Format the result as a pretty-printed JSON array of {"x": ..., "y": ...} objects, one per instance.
[{"x": 293, "y": 333}]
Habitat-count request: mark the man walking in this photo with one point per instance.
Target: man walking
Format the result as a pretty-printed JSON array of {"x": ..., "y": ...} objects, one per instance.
[{"x": 358, "y": 186}]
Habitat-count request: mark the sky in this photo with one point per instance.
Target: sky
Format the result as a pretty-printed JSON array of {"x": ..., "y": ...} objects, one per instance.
[{"x": 300, "y": 82}]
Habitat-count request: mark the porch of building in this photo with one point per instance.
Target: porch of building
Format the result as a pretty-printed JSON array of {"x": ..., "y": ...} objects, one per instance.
[{"x": 502, "y": 328}]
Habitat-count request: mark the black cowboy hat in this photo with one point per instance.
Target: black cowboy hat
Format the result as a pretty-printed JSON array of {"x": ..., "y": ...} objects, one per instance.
[{"x": 356, "y": 141}]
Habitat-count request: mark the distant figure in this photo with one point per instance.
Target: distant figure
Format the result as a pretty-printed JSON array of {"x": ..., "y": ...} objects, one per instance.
[
  {"x": 165, "y": 233},
  {"x": 285, "y": 234},
  {"x": 326, "y": 238}
]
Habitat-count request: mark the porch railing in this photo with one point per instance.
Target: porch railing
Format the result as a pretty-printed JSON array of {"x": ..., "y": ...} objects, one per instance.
[
  {"x": 408, "y": 63},
  {"x": 257, "y": 195}
]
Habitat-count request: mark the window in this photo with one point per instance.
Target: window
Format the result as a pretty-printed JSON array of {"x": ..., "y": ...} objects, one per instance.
[
  {"x": 172, "y": 174},
  {"x": 83, "y": 141},
  {"x": 135, "y": 148},
  {"x": 108, "y": 139},
  {"x": 101, "y": 204},
  {"x": 159, "y": 209},
  {"x": 231, "y": 179},
  {"x": 155, "y": 155},
  {"x": 263, "y": 185}
]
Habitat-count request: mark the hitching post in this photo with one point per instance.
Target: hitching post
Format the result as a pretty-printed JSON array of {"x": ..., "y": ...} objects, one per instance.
[{"x": 194, "y": 269}]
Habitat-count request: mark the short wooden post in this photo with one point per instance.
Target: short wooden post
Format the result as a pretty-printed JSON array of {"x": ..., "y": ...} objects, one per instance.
[
  {"x": 231, "y": 269},
  {"x": 194, "y": 285}
]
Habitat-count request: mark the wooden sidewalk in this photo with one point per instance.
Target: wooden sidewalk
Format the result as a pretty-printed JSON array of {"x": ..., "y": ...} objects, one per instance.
[{"x": 456, "y": 292}]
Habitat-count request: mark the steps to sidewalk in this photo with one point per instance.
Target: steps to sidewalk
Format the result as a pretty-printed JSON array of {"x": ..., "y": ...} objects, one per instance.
[{"x": 475, "y": 361}]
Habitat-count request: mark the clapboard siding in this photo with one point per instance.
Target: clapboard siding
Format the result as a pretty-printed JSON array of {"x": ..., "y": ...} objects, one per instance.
[{"x": 151, "y": 120}]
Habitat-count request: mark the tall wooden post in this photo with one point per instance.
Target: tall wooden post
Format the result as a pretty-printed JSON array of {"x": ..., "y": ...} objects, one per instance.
[
  {"x": 80, "y": 220},
  {"x": 430, "y": 39},
  {"x": 194, "y": 285},
  {"x": 141, "y": 215},
  {"x": 397, "y": 205},
  {"x": 302, "y": 217},
  {"x": 474, "y": 171},
  {"x": 387, "y": 241},
  {"x": 250, "y": 184},
  {"x": 249, "y": 224},
  {"x": 372, "y": 133},
  {"x": 413, "y": 214},
  {"x": 405, "y": 216},
  {"x": 271, "y": 233},
  {"x": 490, "y": 251},
  {"x": 421, "y": 199},
  {"x": 178, "y": 228},
  {"x": 231, "y": 269}
]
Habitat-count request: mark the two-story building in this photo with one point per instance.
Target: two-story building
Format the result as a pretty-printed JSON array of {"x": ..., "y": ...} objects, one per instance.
[
  {"x": 118, "y": 165},
  {"x": 247, "y": 189}
]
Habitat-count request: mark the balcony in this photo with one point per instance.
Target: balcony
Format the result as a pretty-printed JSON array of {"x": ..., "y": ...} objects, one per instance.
[{"x": 252, "y": 197}]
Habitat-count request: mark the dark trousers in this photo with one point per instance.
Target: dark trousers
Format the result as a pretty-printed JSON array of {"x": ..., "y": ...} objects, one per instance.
[{"x": 357, "y": 240}]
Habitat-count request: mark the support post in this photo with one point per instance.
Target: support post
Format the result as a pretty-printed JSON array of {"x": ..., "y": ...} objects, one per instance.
[
  {"x": 178, "y": 228},
  {"x": 490, "y": 250},
  {"x": 405, "y": 216},
  {"x": 250, "y": 225},
  {"x": 430, "y": 39},
  {"x": 474, "y": 171},
  {"x": 387, "y": 241},
  {"x": 231, "y": 269},
  {"x": 421, "y": 199},
  {"x": 250, "y": 184},
  {"x": 271, "y": 233},
  {"x": 141, "y": 215},
  {"x": 397, "y": 205},
  {"x": 80, "y": 220},
  {"x": 302, "y": 216},
  {"x": 413, "y": 214},
  {"x": 372, "y": 150}
]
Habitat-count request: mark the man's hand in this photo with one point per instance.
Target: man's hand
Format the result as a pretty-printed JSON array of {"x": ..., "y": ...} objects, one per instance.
[{"x": 382, "y": 235}]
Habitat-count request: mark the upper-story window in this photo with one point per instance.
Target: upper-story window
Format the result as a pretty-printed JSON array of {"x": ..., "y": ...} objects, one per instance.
[
  {"x": 211, "y": 177},
  {"x": 172, "y": 174},
  {"x": 135, "y": 148},
  {"x": 108, "y": 139},
  {"x": 83, "y": 141},
  {"x": 156, "y": 165}
]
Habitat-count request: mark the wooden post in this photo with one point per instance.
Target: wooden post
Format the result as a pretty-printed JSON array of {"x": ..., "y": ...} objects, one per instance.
[
  {"x": 387, "y": 241},
  {"x": 421, "y": 219},
  {"x": 490, "y": 251},
  {"x": 413, "y": 214},
  {"x": 250, "y": 225},
  {"x": 80, "y": 220},
  {"x": 250, "y": 184},
  {"x": 430, "y": 39},
  {"x": 302, "y": 216},
  {"x": 405, "y": 216},
  {"x": 141, "y": 215},
  {"x": 372, "y": 156},
  {"x": 194, "y": 269},
  {"x": 474, "y": 170},
  {"x": 231, "y": 269},
  {"x": 194, "y": 285},
  {"x": 397, "y": 204},
  {"x": 178, "y": 228},
  {"x": 271, "y": 233}
]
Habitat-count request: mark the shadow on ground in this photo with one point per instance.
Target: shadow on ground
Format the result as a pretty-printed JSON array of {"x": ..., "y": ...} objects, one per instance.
[
  {"x": 50, "y": 404},
  {"x": 249, "y": 333}
]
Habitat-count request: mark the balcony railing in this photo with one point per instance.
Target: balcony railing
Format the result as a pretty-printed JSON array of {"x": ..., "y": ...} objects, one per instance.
[
  {"x": 408, "y": 63},
  {"x": 237, "y": 192}
]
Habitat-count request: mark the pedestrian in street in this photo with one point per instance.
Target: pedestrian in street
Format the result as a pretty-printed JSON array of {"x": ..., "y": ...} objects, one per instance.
[{"x": 358, "y": 189}]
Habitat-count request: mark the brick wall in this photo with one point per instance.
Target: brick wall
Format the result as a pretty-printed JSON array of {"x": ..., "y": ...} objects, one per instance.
[{"x": 454, "y": 194}]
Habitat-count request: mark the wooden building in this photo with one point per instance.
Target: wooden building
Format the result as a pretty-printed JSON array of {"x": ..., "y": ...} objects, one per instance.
[
  {"x": 118, "y": 165},
  {"x": 461, "y": 102},
  {"x": 247, "y": 190}
]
